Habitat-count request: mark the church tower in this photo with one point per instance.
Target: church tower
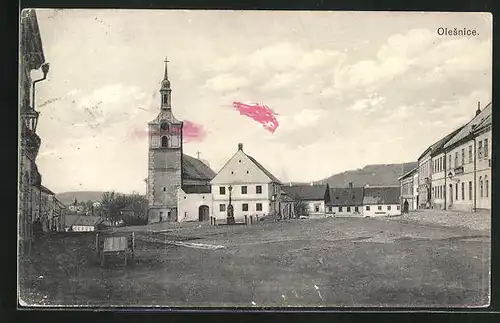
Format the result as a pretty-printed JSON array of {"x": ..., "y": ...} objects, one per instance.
[{"x": 165, "y": 159}]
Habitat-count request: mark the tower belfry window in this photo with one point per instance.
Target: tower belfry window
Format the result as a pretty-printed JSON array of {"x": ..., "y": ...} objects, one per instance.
[
  {"x": 164, "y": 126},
  {"x": 164, "y": 141}
]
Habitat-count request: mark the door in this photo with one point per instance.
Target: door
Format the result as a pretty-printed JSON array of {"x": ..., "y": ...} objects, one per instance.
[{"x": 203, "y": 213}]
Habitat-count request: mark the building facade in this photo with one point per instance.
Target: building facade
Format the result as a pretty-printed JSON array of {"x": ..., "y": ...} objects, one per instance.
[
  {"x": 195, "y": 203},
  {"x": 315, "y": 198},
  {"x": 482, "y": 139},
  {"x": 409, "y": 189},
  {"x": 245, "y": 184},
  {"x": 346, "y": 201},
  {"x": 424, "y": 179},
  {"x": 381, "y": 201},
  {"x": 168, "y": 168},
  {"x": 467, "y": 165},
  {"x": 31, "y": 58}
]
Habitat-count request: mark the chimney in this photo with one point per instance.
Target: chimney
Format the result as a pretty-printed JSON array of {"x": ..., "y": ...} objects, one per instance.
[
  {"x": 240, "y": 146},
  {"x": 290, "y": 184},
  {"x": 350, "y": 184},
  {"x": 478, "y": 111}
]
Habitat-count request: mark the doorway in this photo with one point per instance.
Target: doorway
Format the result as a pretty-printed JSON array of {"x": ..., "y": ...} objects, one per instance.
[
  {"x": 203, "y": 213},
  {"x": 451, "y": 195}
]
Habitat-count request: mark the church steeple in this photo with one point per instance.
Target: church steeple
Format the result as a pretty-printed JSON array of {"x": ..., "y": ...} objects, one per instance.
[{"x": 165, "y": 90}]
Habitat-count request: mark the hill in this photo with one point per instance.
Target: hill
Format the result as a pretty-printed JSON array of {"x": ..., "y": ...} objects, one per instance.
[
  {"x": 373, "y": 175},
  {"x": 68, "y": 198}
]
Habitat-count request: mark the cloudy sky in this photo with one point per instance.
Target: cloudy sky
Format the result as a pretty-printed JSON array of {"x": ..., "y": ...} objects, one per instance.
[{"x": 349, "y": 88}]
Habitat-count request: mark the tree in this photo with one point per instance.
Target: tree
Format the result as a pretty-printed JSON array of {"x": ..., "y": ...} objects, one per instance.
[
  {"x": 300, "y": 207},
  {"x": 112, "y": 203}
]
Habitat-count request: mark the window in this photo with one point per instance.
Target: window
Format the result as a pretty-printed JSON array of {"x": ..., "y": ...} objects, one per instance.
[
  {"x": 356, "y": 209},
  {"x": 243, "y": 190},
  {"x": 329, "y": 209},
  {"x": 486, "y": 185},
  {"x": 463, "y": 191},
  {"x": 164, "y": 126},
  {"x": 463, "y": 156},
  {"x": 340, "y": 209},
  {"x": 485, "y": 148},
  {"x": 480, "y": 150},
  {"x": 368, "y": 208},
  {"x": 481, "y": 186},
  {"x": 348, "y": 209},
  {"x": 449, "y": 161},
  {"x": 258, "y": 206},
  {"x": 434, "y": 192},
  {"x": 222, "y": 190},
  {"x": 470, "y": 154},
  {"x": 164, "y": 141},
  {"x": 398, "y": 207},
  {"x": 258, "y": 189},
  {"x": 244, "y": 207},
  {"x": 456, "y": 158},
  {"x": 222, "y": 207},
  {"x": 316, "y": 208},
  {"x": 164, "y": 189},
  {"x": 380, "y": 207},
  {"x": 388, "y": 207},
  {"x": 456, "y": 191}
]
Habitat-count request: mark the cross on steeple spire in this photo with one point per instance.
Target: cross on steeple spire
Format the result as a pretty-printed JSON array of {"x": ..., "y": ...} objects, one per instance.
[
  {"x": 166, "y": 67},
  {"x": 198, "y": 154}
]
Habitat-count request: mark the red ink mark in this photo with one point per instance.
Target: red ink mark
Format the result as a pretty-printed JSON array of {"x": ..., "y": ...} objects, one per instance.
[
  {"x": 193, "y": 132},
  {"x": 260, "y": 113},
  {"x": 190, "y": 132}
]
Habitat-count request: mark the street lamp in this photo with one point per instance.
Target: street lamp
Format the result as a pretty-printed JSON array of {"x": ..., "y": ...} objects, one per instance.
[
  {"x": 45, "y": 70},
  {"x": 230, "y": 210}
]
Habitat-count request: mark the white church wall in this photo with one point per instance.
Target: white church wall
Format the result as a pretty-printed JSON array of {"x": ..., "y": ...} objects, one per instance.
[{"x": 189, "y": 204}]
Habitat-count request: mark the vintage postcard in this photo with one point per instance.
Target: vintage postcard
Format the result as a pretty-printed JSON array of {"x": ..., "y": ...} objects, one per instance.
[{"x": 205, "y": 158}]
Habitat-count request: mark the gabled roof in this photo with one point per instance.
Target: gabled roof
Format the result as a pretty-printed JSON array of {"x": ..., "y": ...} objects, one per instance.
[
  {"x": 381, "y": 195},
  {"x": 262, "y": 168},
  {"x": 484, "y": 124},
  {"x": 193, "y": 168},
  {"x": 350, "y": 196},
  {"x": 71, "y": 220},
  {"x": 197, "y": 189},
  {"x": 437, "y": 147},
  {"x": 307, "y": 192},
  {"x": 408, "y": 174},
  {"x": 469, "y": 127}
]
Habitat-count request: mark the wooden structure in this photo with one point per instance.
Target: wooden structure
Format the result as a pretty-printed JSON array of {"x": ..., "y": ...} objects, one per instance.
[{"x": 109, "y": 244}]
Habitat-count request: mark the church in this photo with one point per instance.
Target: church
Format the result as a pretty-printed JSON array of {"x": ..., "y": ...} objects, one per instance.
[{"x": 174, "y": 178}]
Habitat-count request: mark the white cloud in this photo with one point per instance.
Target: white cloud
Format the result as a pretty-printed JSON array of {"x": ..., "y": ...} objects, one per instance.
[
  {"x": 226, "y": 82},
  {"x": 307, "y": 117}
]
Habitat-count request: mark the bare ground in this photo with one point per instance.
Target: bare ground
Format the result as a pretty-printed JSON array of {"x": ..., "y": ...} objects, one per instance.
[{"x": 329, "y": 262}]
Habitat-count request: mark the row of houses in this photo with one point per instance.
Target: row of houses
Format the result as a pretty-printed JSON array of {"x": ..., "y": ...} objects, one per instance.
[
  {"x": 35, "y": 201},
  {"x": 454, "y": 173},
  {"x": 183, "y": 188},
  {"x": 253, "y": 191}
]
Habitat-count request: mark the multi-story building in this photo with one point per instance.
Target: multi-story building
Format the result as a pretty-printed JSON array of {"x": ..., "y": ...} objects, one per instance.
[
  {"x": 438, "y": 171},
  {"x": 314, "y": 196},
  {"x": 247, "y": 186},
  {"x": 482, "y": 139},
  {"x": 409, "y": 189},
  {"x": 424, "y": 179},
  {"x": 31, "y": 58},
  {"x": 467, "y": 165}
]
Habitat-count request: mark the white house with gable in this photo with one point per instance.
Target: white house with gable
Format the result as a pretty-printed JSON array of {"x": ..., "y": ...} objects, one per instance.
[{"x": 252, "y": 188}]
